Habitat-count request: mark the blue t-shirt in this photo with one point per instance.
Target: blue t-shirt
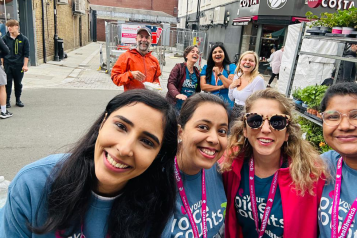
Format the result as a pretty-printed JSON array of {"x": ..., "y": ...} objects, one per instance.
[
  {"x": 348, "y": 194},
  {"x": 275, "y": 227},
  {"x": 180, "y": 226},
  {"x": 188, "y": 87},
  {"x": 223, "y": 93},
  {"x": 24, "y": 196}
]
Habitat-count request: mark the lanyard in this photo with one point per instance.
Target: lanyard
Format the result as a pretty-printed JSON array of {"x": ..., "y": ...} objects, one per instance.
[
  {"x": 269, "y": 205},
  {"x": 336, "y": 200},
  {"x": 187, "y": 206},
  {"x": 57, "y": 234}
]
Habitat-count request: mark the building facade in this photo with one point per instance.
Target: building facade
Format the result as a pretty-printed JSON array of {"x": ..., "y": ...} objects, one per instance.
[
  {"x": 40, "y": 24},
  {"x": 152, "y": 12},
  {"x": 243, "y": 25}
]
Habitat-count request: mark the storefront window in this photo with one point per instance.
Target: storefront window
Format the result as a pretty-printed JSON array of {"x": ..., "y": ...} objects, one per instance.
[{"x": 272, "y": 37}]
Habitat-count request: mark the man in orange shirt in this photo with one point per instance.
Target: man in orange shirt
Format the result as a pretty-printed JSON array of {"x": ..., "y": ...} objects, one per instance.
[{"x": 137, "y": 65}]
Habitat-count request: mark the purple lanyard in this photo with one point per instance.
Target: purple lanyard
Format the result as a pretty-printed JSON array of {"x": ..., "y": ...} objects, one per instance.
[
  {"x": 57, "y": 234},
  {"x": 187, "y": 206},
  {"x": 253, "y": 199},
  {"x": 336, "y": 201}
]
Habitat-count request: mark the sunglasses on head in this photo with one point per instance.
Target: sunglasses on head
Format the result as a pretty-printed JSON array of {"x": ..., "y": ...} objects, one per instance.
[{"x": 277, "y": 122}]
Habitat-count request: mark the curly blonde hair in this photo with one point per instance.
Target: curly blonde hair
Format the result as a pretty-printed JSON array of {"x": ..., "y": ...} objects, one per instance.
[
  {"x": 306, "y": 166},
  {"x": 255, "y": 71}
]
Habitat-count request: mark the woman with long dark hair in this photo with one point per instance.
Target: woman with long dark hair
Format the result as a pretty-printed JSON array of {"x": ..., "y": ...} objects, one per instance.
[
  {"x": 200, "y": 204},
  {"x": 217, "y": 75},
  {"x": 184, "y": 79},
  {"x": 118, "y": 181}
]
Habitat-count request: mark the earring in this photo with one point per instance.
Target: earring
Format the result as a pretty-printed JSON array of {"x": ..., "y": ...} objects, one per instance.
[
  {"x": 179, "y": 140},
  {"x": 245, "y": 142},
  {"x": 287, "y": 143}
]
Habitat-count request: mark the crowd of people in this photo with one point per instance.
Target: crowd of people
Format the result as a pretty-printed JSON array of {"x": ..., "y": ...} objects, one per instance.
[{"x": 227, "y": 162}]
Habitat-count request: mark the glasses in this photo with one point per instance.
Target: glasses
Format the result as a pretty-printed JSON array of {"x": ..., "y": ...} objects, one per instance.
[
  {"x": 277, "y": 122},
  {"x": 334, "y": 118}
]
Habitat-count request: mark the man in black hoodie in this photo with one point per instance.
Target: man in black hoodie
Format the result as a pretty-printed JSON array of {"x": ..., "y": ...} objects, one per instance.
[
  {"x": 15, "y": 63},
  {"x": 347, "y": 72}
]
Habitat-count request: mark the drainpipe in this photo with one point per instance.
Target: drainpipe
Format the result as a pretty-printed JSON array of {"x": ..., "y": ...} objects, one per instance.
[
  {"x": 43, "y": 33},
  {"x": 56, "y": 58}
]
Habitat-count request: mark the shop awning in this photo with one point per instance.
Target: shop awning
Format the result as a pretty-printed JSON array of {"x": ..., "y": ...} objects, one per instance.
[
  {"x": 278, "y": 33},
  {"x": 300, "y": 19},
  {"x": 242, "y": 21}
]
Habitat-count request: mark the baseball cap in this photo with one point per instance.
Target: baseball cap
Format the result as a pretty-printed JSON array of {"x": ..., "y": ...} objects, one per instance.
[{"x": 144, "y": 29}]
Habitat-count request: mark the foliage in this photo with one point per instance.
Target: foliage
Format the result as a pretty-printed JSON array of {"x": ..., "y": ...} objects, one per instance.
[
  {"x": 312, "y": 95},
  {"x": 314, "y": 135},
  {"x": 297, "y": 93},
  {"x": 343, "y": 18}
]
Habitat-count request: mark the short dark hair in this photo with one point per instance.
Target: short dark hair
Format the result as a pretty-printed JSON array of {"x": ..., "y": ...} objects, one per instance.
[
  {"x": 191, "y": 104},
  {"x": 339, "y": 89},
  {"x": 188, "y": 50}
]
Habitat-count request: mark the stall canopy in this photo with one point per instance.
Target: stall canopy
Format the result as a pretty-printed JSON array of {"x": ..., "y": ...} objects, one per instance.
[{"x": 278, "y": 33}]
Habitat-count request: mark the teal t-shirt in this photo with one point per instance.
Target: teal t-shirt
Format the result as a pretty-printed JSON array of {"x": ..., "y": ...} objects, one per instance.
[
  {"x": 348, "y": 194},
  {"x": 275, "y": 227},
  {"x": 25, "y": 195},
  {"x": 223, "y": 93},
  {"x": 188, "y": 87},
  {"x": 179, "y": 224}
]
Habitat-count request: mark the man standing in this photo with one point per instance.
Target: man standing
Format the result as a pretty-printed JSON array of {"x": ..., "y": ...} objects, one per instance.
[
  {"x": 347, "y": 72},
  {"x": 275, "y": 64},
  {"x": 137, "y": 65},
  {"x": 15, "y": 63}
]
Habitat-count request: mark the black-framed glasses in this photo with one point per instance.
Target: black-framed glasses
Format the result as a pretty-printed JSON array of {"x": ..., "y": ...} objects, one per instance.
[
  {"x": 334, "y": 117},
  {"x": 277, "y": 122}
]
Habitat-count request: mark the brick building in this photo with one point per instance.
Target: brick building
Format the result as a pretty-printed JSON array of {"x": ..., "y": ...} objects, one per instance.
[
  {"x": 133, "y": 11},
  {"x": 37, "y": 22}
]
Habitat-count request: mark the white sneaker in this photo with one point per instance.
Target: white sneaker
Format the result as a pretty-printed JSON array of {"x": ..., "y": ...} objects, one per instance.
[{"x": 5, "y": 115}]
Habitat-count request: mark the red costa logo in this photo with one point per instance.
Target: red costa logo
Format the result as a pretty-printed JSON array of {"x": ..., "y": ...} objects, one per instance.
[{"x": 314, "y": 3}]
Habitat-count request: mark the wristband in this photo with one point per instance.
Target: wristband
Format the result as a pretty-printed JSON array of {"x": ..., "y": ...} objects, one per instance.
[{"x": 219, "y": 74}]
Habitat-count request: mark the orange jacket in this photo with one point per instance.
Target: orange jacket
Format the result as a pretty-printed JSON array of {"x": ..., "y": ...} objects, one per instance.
[{"x": 132, "y": 60}]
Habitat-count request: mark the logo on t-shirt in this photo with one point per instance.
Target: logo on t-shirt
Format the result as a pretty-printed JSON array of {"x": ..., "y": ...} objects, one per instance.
[{"x": 214, "y": 218}]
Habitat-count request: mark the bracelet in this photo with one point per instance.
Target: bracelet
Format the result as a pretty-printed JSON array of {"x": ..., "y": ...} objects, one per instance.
[{"x": 219, "y": 74}]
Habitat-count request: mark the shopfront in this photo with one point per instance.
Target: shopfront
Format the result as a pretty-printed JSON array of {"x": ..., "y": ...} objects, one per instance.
[{"x": 265, "y": 21}]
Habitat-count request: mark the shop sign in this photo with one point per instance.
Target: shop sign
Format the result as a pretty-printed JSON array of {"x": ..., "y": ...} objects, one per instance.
[
  {"x": 314, "y": 3},
  {"x": 333, "y": 4},
  {"x": 276, "y": 4},
  {"x": 248, "y": 3}
]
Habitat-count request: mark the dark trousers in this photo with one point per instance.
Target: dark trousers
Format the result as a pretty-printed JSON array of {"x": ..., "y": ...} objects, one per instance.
[
  {"x": 272, "y": 77},
  {"x": 14, "y": 72}
]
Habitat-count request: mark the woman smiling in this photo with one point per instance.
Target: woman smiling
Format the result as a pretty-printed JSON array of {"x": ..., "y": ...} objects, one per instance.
[
  {"x": 200, "y": 204},
  {"x": 246, "y": 81},
  {"x": 272, "y": 177},
  {"x": 118, "y": 173},
  {"x": 338, "y": 205}
]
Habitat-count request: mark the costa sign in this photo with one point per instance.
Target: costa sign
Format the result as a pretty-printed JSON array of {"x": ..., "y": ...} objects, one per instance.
[
  {"x": 314, "y": 3},
  {"x": 333, "y": 4},
  {"x": 248, "y": 3}
]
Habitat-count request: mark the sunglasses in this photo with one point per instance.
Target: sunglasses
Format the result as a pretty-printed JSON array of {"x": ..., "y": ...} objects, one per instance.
[{"x": 277, "y": 122}]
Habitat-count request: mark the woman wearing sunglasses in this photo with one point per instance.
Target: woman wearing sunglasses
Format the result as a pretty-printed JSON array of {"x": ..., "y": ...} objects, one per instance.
[
  {"x": 339, "y": 198},
  {"x": 201, "y": 201},
  {"x": 272, "y": 177},
  {"x": 246, "y": 81},
  {"x": 184, "y": 79}
]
